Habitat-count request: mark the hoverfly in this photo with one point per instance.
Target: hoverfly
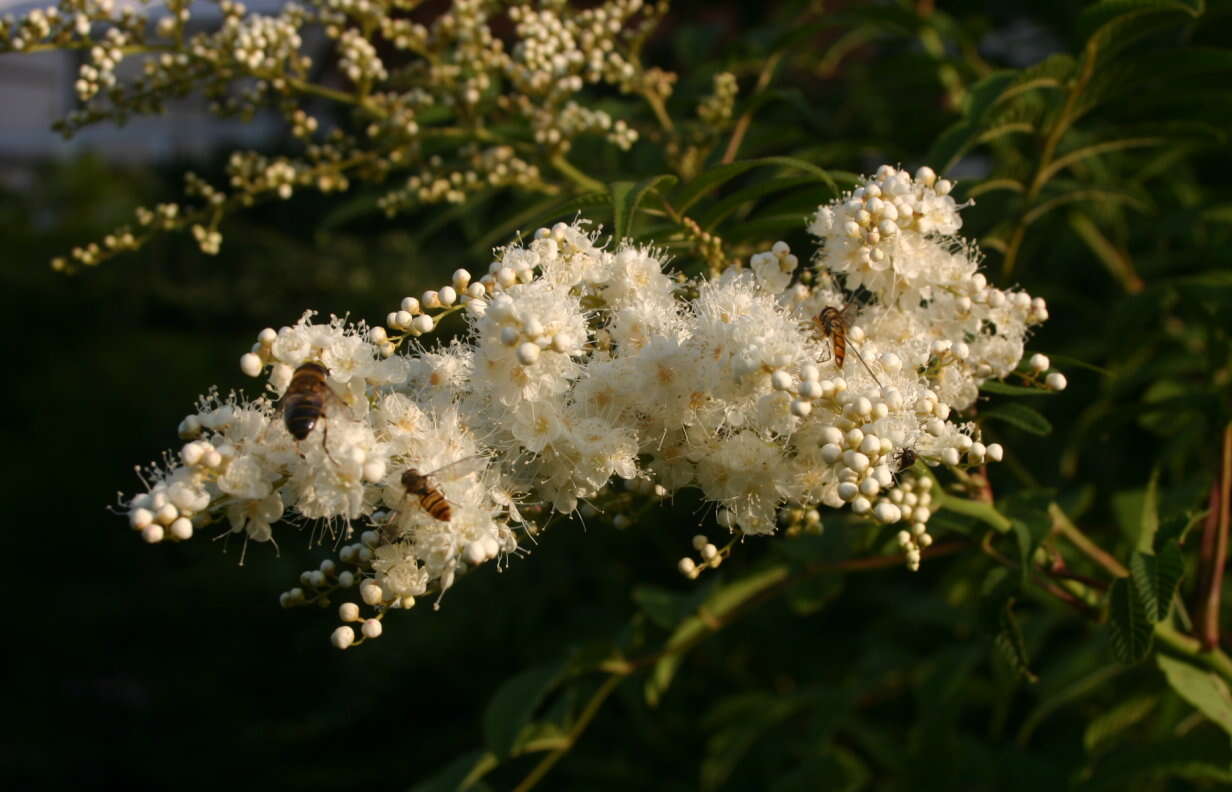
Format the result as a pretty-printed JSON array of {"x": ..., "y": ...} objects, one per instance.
[
  {"x": 430, "y": 497},
  {"x": 832, "y": 324}
]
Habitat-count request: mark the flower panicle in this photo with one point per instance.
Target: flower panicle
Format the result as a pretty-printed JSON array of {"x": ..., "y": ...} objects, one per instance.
[{"x": 586, "y": 364}]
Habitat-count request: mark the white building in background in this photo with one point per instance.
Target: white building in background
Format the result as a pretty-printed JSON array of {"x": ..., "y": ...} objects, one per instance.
[{"x": 37, "y": 89}]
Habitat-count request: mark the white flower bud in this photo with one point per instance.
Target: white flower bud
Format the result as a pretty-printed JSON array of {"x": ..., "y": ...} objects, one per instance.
[
  {"x": 377, "y": 335},
  {"x": 267, "y": 336},
  {"x": 192, "y": 453},
  {"x": 371, "y": 628},
  {"x": 528, "y": 353},
  {"x": 181, "y": 529},
  {"x": 251, "y": 364},
  {"x": 950, "y": 456},
  {"x": 152, "y": 534},
  {"x": 370, "y": 592},
  {"x": 423, "y": 323},
  {"x": 781, "y": 380},
  {"x": 448, "y": 296},
  {"x": 348, "y": 612},
  {"x": 995, "y": 452},
  {"x": 1056, "y": 381},
  {"x": 848, "y": 490},
  {"x": 402, "y": 319},
  {"x": 140, "y": 519},
  {"x": 887, "y": 513},
  {"x": 461, "y": 278},
  {"x": 830, "y": 453},
  {"x": 801, "y": 408},
  {"x": 342, "y": 637},
  {"x": 374, "y": 471},
  {"x": 686, "y": 566},
  {"x": 861, "y": 505},
  {"x": 411, "y": 306},
  {"x": 430, "y": 299},
  {"x": 871, "y": 445}
]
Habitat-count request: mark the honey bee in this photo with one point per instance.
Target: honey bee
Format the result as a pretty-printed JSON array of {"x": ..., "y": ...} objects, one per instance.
[
  {"x": 832, "y": 324},
  {"x": 303, "y": 404},
  {"x": 430, "y": 498}
]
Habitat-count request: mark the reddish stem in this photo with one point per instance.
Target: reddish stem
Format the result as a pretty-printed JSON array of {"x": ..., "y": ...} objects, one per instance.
[{"x": 1214, "y": 550}]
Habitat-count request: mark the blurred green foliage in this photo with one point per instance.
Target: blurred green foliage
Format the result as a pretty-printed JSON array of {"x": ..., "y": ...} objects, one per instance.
[{"x": 1093, "y": 140}]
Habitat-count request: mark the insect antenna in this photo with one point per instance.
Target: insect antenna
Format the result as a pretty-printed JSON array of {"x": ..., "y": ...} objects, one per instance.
[{"x": 860, "y": 357}]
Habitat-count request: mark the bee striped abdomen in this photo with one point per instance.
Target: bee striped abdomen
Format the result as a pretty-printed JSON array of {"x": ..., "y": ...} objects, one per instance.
[
  {"x": 434, "y": 503},
  {"x": 304, "y": 402},
  {"x": 430, "y": 498}
]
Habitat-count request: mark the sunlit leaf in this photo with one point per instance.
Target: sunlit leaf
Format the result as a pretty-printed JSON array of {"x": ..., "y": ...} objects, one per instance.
[
  {"x": 627, "y": 196},
  {"x": 1201, "y": 687}
]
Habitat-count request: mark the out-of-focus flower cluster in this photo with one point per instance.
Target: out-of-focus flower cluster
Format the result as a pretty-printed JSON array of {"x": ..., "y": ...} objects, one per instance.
[
  {"x": 431, "y": 104},
  {"x": 584, "y": 365}
]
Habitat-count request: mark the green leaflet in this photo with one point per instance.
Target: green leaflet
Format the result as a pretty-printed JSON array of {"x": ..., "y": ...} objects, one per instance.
[
  {"x": 626, "y": 197},
  {"x": 1128, "y": 625},
  {"x": 1020, "y": 416},
  {"x": 510, "y": 710},
  {"x": 688, "y": 194},
  {"x": 1202, "y": 688}
]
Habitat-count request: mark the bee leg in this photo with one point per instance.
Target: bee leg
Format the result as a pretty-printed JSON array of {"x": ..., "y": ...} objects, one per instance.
[{"x": 325, "y": 443}]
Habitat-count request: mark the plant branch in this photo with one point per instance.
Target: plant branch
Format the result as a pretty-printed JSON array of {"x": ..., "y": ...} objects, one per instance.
[
  {"x": 1062, "y": 525},
  {"x": 566, "y": 168},
  {"x": 588, "y": 714},
  {"x": 742, "y": 126}
]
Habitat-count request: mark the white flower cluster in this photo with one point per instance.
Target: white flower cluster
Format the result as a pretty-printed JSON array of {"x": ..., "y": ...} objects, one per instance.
[{"x": 583, "y": 364}]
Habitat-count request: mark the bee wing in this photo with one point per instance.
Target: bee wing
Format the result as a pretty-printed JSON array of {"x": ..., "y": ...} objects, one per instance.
[{"x": 459, "y": 468}]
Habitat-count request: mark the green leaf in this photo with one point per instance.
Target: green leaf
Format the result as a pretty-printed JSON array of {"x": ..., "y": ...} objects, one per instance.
[
  {"x": 814, "y": 592},
  {"x": 708, "y": 615},
  {"x": 1148, "y": 523},
  {"x": 1128, "y": 626},
  {"x": 759, "y": 189},
  {"x": 736, "y": 723},
  {"x": 1019, "y": 415},
  {"x": 1204, "y": 689},
  {"x": 535, "y": 216},
  {"x": 510, "y": 710},
  {"x": 627, "y": 196},
  {"x": 1010, "y": 644},
  {"x": 1028, "y": 515},
  {"x": 1155, "y": 579},
  {"x": 688, "y": 194},
  {"x": 1066, "y": 360},
  {"x": 997, "y": 386},
  {"x": 1112, "y": 722},
  {"x": 667, "y": 608},
  {"x": 1103, "y": 18}
]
